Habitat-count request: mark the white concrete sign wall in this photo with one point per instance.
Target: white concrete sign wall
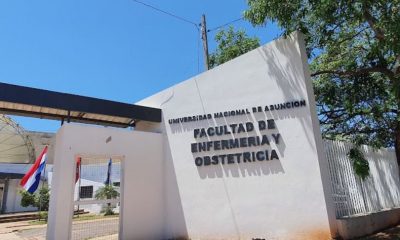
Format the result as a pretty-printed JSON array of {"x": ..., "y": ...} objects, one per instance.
[{"x": 243, "y": 153}]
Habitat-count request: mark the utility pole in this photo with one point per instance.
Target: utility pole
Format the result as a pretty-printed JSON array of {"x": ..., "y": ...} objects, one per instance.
[{"x": 205, "y": 41}]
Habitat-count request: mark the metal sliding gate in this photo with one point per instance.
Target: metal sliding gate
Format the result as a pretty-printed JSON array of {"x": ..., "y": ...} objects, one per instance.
[{"x": 97, "y": 197}]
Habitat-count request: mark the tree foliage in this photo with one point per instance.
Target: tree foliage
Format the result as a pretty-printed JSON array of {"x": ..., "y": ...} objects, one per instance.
[
  {"x": 39, "y": 200},
  {"x": 27, "y": 199},
  {"x": 107, "y": 192},
  {"x": 354, "y": 50},
  {"x": 231, "y": 44},
  {"x": 360, "y": 164}
]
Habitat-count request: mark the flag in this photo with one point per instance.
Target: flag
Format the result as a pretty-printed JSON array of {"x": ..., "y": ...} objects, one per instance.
[
  {"x": 78, "y": 169},
  {"x": 108, "y": 180},
  {"x": 31, "y": 180}
]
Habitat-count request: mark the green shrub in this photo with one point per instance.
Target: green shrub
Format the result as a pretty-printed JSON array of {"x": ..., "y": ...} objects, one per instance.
[
  {"x": 39, "y": 199},
  {"x": 107, "y": 192}
]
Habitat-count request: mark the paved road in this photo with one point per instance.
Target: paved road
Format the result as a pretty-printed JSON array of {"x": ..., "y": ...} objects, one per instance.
[
  {"x": 80, "y": 230},
  {"x": 94, "y": 229},
  {"x": 107, "y": 229}
]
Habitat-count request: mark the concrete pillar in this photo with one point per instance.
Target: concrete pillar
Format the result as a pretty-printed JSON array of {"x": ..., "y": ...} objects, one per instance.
[{"x": 5, "y": 193}]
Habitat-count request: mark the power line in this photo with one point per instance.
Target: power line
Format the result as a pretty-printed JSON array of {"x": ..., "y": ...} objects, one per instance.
[
  {"x": 203, "y": 27},
  {"x": 184, "y": 19},
  {"x": 223, "y": 25},
  {"x": 181, "y": 19},
  {"x": 167, "y": 13}
]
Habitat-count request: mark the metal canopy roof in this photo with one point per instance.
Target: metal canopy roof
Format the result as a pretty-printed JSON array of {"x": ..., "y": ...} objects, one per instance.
[
  {"x": 32, "y": 102},
  {"x": 15, "y": 145}
]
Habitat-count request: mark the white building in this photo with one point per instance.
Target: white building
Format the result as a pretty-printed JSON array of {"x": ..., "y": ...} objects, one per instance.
[
  {"x": 10, "y": 177},
  {"x": 18, "y": 150},
  {"x": 92, "y": 178}
]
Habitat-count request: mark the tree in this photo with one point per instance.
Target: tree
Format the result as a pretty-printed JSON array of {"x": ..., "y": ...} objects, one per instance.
[
  {"x": 231, "y": 44},
  {"x": 107, "y": 192},
  {"x": 39, "y": 200},
  {"x": 27, "y": 199},
  {"x": 354, "y": 50}
]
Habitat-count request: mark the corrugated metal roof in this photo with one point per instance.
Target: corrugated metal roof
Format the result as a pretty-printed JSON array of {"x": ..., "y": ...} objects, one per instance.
[{"x": 15, "y": 145}]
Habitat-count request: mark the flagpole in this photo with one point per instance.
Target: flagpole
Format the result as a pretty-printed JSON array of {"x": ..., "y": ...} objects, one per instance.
[
  {"x": 40, "y": 197},
  {"x": 79, "y": 184},
  {"x": 44, "y": 177}
]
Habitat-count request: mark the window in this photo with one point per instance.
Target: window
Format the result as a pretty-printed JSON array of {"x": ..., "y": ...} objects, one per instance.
[
  {"x": 86, "y": 192},
  {"x": 116, "y": 184}
]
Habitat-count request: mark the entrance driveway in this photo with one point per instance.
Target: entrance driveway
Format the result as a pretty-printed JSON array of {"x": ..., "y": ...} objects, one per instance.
[
  {"x": 102, "y": 229},
  {"x": 96, "y": 229}
]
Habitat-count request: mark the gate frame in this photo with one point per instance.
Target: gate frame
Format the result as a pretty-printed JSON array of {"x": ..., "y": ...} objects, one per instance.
[
  {"x": 121, "y": 158},
  {"x": 144, "y": 155}
]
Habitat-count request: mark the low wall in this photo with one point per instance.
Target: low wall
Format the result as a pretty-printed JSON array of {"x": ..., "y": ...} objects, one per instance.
[{"x": 358, "y": 226}]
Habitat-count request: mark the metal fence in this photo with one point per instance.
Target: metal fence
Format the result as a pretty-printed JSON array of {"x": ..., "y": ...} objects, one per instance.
[
  {"x": 353, "y": 196},
  {"x": 96, "y": 197}
]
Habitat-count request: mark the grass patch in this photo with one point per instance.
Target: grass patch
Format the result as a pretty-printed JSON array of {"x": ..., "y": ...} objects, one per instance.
[
  {"x": 37, "y": 222},
  {"x": 43, "y": 219},
  {"x": 85, "y": 217}
]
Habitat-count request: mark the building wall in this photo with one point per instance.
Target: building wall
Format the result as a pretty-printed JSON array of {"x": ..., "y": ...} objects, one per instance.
[
  {"x": 288, "y": 198},
  {"x": 91, "y": 208},
  {"x": 94, "y": 175},
  {"x": 40, "y": 140},
  {"x": 13, "y": 200},
  {"x": 13, "y": 203}
]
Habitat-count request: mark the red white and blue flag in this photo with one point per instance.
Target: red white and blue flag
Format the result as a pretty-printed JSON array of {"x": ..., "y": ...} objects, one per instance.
[
  {"x": 78, "y": 169},
  {"x": 108, "y": 179},
  {"x": 31, "y": 180}
]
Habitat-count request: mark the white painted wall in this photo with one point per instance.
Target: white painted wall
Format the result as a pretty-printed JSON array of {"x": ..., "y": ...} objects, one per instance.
[
  {"x": 142, "y": 177},
  {"x": 91, "y": 208},
  {"x": 13, "y": 203},
  {"x": 40, "y": 140},
  {"x": 93, "y": 173},
  {"x": 285, "y": 199}
]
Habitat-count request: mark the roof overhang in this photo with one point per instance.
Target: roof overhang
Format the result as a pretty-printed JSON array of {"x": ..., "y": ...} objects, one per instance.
[
  {"x": 32, "y": 102},
  {"x": 4, "y": 175}
]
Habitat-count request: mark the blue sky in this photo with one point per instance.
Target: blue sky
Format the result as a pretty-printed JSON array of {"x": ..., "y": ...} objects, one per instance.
[{"x": 118, "y": 50}]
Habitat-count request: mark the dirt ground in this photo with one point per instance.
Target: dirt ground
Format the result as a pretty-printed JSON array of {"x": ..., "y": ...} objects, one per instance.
[
  {"x": 389, "y": 234},
  {"x": 101, "y": 229},
  {"x": 27, "y": 231},
  {"x": 11, "y": 231}
]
